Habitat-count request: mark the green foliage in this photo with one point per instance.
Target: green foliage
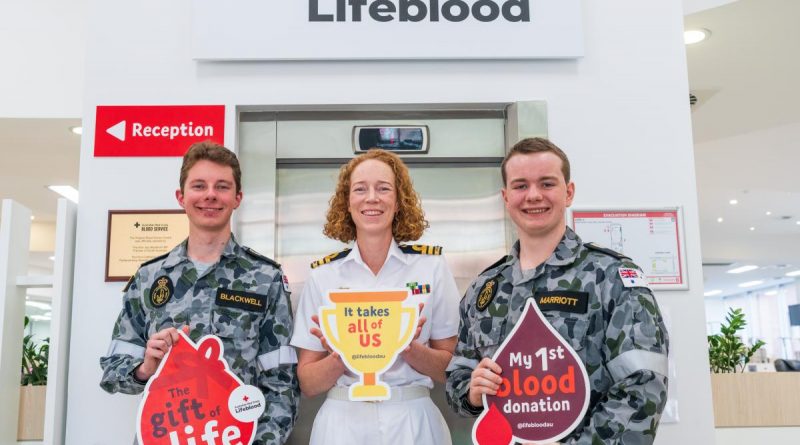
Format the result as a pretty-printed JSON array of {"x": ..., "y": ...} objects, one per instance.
[
  {"x": 726, "y": 352},
  {"x": 34, "y": 360}
]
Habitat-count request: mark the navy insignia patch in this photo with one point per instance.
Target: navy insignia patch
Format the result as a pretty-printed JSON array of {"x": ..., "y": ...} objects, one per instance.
[
  {"x": 486, "y": 295},
  {"x": 329, "y": 258},
  {"x": 161, "y": 291}
]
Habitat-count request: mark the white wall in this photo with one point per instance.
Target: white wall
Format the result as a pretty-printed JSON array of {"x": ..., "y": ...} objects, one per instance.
[
  {"x": 620, "y": 112},
  {"x": 42, "y": 51}
]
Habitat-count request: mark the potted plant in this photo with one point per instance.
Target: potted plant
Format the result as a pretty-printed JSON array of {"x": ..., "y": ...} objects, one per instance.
[
  {"x": 726, "y": 351},
  {"x": 33, "y": 388},
  {"x": 748, "y": 399}
]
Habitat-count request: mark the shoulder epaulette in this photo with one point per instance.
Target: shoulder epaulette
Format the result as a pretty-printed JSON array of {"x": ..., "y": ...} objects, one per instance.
[
  {"x": 153, "y": 260},
  {"x": 255, "y": 254},
  {"x": 606, "y": 251},
  {"x": 496, "y": 263},
  {"x": 420, "y": 249},
  {"x": 150, "y": 261},
  {"x": 128, "y": 284},
  {"x": 329, "y": 258}
]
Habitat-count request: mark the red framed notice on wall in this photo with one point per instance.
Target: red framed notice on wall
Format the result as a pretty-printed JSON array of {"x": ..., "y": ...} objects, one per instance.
[{"x": 651, "y": 237}]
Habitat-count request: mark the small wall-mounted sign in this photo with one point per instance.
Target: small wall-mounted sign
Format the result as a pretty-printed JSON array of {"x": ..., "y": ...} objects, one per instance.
[{"x": 155, "y": 130}]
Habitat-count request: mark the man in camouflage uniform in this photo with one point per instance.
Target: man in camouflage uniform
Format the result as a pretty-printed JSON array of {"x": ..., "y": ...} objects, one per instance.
[
  {"x": 610, "y": 319},
  {"x": 195, "y": 287}
]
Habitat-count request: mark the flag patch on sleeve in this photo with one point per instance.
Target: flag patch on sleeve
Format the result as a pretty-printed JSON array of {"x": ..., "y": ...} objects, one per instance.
[{"x": 633, "y": 278}]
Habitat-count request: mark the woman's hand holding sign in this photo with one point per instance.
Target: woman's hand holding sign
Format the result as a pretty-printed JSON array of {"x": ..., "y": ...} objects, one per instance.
[{"x": 318, "y": 371}]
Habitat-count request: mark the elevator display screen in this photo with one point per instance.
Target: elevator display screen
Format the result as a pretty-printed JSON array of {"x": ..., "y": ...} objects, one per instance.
[{"x": 397, "y": 138}]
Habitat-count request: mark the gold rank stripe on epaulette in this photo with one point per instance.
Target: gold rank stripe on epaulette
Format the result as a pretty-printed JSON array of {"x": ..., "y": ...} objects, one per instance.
[
  {"x": 606, "y": 251},
  {"x": 329, "y": 258},
  {"x": 421, "y": 249}
]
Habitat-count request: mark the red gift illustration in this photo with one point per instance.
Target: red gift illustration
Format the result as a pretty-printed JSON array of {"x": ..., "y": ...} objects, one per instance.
[
  {"x": 545, "y": 389},
  {"x": 194, "y": 399}
]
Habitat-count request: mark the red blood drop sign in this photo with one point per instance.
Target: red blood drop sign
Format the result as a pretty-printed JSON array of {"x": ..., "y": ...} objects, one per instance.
[
  {"x": 156, "y": 130},
  {"x": 545, "y": 389}
]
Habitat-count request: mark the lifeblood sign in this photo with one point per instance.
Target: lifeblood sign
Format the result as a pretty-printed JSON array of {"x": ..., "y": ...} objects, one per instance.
[
  {"x": 155, "y": 130},
  {"x": 195, "y": 399}
]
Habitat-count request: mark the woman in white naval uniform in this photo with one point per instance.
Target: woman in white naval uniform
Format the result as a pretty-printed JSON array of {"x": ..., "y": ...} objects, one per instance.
[{"x": 375, "y": 204}]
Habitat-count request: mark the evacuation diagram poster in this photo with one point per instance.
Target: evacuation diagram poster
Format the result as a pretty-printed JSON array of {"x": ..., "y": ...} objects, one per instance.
[{"x": 651, "y": 238}]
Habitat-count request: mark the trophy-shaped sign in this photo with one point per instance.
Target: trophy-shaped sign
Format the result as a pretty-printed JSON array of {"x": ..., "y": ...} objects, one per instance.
[
  {"x": 545, "y": 389},
  {"x": 194, "y": 398},
  {"x": 370, "y": 329}
]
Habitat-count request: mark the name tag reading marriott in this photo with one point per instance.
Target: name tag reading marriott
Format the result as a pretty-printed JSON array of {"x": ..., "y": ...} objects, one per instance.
[{"x": 386, "y": 29}]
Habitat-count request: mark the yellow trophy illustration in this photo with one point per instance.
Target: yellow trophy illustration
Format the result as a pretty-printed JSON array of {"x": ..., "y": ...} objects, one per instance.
[{"x": 371, "y": 328}]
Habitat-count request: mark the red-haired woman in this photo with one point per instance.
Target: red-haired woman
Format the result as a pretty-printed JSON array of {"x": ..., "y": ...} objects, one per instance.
[{"x": 376, "y": 206}]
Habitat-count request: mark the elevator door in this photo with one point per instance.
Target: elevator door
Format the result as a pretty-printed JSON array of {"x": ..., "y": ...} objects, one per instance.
[{"x": 458, "y": 181}]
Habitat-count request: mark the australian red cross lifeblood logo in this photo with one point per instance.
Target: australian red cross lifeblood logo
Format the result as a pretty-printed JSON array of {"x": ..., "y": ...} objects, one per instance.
[
  {"x": 194, "y": 399},
  {"x": 545, "y": 389},
  {"x": 156, "y": 130}
]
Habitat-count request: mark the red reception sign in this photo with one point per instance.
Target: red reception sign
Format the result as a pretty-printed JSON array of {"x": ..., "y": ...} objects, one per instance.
[{"x": 155, "y": 130}]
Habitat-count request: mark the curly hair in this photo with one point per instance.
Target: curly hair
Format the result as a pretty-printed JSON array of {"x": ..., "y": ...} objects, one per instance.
[{"x": 409, "y": 222}]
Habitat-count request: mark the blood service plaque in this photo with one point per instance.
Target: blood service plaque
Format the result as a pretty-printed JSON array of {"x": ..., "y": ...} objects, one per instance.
[
  {"x": 545, "y": 390},
  {"x": 136, "y": 236},
  {"x": 194, "y": 398}
]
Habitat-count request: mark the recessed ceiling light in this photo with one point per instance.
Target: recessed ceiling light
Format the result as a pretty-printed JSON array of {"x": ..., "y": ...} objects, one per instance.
[
  {"x": 794, "y": 273},
  {"x": 751, "y": 283},
  {"x": 733, "y": 202},
  {"x": 32, "y": 217},
  {"x": 692, "y": 36},
  {"x": 742, "y": 269},
  {"x": 66, "y": 191},
  {"x": 719, "y": 220},
  {"x": 769, "y": 213},
  {"x": 51, "y": 258},
  {"x": 797, "y": 222},
  {"x": 752, "y": 229},
  {"x": 76, "y": 130},
  {"x": 711, "y": 293},
  {"x": 771, "y": 293}
]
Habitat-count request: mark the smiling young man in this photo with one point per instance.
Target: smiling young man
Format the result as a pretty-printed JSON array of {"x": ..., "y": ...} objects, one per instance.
[
  {"x": 190, "y": 288},
  {"x": 613, "y": 324}
]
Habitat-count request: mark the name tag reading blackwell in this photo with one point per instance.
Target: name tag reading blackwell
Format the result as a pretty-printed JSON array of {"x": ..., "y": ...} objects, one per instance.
[
  {"x": 247, "y": 301},
  {"x": 545, "y": 389}
]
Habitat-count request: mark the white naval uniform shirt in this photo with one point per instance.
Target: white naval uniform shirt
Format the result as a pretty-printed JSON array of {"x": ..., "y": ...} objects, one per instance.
[{"x": 350, "y": 272}]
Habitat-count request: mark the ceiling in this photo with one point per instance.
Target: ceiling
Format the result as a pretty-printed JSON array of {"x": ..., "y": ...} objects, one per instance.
[
  {"x": 746, "y": 127},
  {"x": 746, "y": 131}
]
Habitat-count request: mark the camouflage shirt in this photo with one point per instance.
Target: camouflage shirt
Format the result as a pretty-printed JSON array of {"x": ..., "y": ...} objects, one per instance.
[
  {"x": 621, "y": 337},
  {"x": 167, "y": 292}
]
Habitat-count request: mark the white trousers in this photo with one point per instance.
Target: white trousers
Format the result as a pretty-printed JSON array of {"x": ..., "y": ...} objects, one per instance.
[{"x": 412, "y": 422}]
